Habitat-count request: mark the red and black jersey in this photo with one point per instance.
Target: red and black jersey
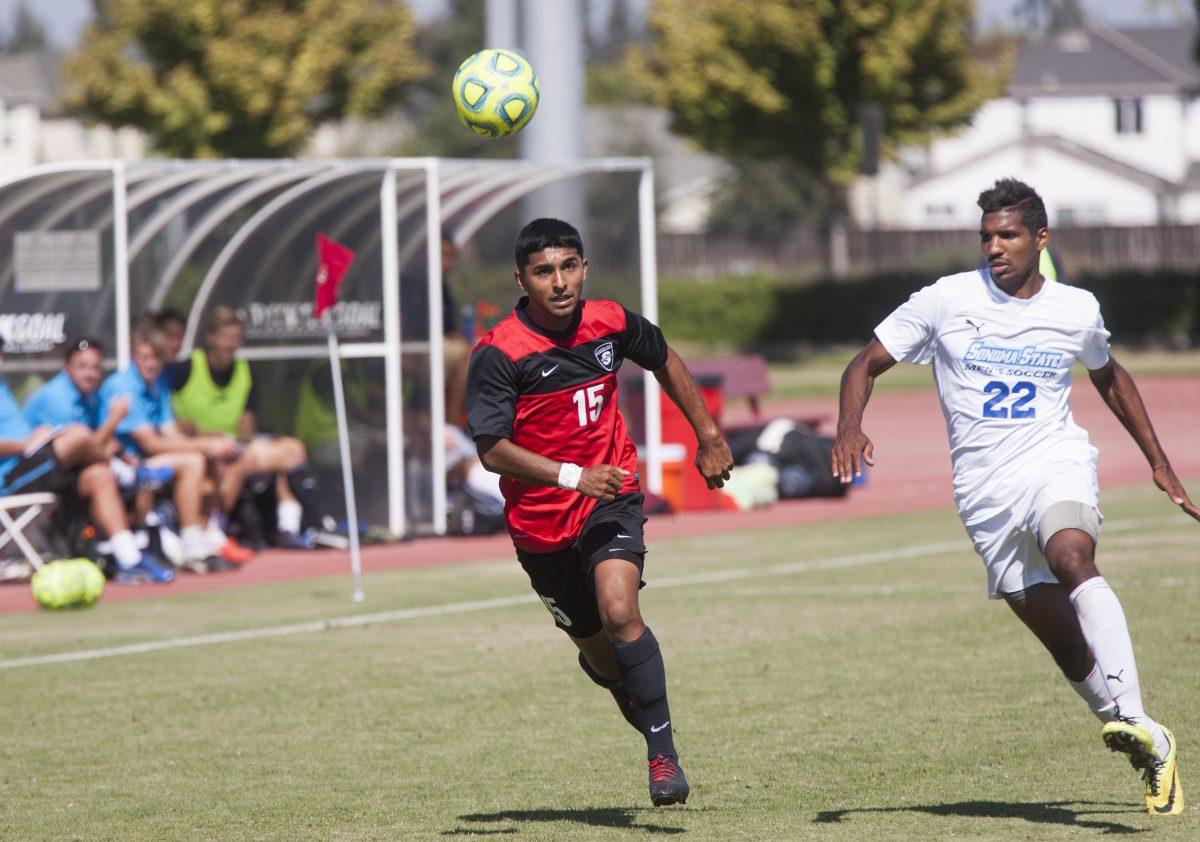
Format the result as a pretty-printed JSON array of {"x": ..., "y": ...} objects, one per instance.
[{"x": 555, "y": 394}]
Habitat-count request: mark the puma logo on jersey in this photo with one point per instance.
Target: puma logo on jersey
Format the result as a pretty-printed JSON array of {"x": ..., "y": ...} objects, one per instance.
[
  {"x": 546, "y": 372},
  {"x": 977, "y": 327}
]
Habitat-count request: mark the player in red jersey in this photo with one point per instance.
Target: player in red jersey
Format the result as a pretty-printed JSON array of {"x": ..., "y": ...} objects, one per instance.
[{"x": 542, "y": 405}]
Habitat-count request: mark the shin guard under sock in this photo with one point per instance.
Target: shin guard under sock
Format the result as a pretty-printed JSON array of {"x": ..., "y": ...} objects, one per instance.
[
  {"x": 640, "y": 664},
  {"x": 614, "y": 686}
]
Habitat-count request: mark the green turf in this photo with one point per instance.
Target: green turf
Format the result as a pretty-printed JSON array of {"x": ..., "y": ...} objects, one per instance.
[
  {"x": 816, "y": 373},
  {"x": 882, "y": 700}
]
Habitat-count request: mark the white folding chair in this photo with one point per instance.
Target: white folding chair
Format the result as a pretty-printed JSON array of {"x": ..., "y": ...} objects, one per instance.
[{"x": 16, "y": 513}]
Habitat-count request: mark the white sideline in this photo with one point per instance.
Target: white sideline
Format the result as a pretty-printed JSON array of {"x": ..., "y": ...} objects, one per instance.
[{"x": 858, "y": 559}]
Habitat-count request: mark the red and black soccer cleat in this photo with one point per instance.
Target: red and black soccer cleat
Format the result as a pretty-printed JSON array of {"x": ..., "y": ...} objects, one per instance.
[{"x": 667, "y": 783}]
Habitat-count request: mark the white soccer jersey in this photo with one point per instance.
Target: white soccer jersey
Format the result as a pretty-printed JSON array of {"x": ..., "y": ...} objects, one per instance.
[{"x": 1003, "y": 372}]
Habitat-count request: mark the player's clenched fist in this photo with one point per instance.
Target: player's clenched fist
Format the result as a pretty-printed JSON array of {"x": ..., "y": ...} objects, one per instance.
[
  {"x": 714, "y": 461},
  {"x": 851, "y": 449},
  {"x": 602, "y": 482}
]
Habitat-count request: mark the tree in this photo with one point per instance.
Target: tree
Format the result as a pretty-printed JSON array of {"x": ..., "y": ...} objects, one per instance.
[
  {"x": 762, "y": 201},
  {"x": 27, "y": 34},
  {"x": 607, "y": 79},
  {"x": 1051, "y": 16},
  {"x": 1196, "y": 47},
  {"x": 446, "y": 41},
  {"x": 787, "y": 82},
  {"x": 240, "y": 78}
]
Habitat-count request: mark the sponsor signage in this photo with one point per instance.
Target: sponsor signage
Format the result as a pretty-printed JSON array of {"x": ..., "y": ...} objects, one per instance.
[
  {"x": 32, "y": 333},
  {"x": 57, "y": 261},
  {"x": 293, "y": 320}
]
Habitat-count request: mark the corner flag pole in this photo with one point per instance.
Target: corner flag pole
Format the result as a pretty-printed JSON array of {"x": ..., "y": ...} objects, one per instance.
[
  {"x": 333, "y": 259},
  {"x": 339, "y": 402}
]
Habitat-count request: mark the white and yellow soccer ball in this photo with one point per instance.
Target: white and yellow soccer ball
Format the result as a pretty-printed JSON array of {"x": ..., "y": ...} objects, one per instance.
[
  {"x": 67, "y": 583},
  {"x": 495, "y": 93}
]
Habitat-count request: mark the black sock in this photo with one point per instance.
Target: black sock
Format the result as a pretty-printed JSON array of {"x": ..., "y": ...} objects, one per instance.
[
  {"x": 641, "y": 666},
  {"x": 303, "y": 484},
  {"x": 614, "y": 686}
]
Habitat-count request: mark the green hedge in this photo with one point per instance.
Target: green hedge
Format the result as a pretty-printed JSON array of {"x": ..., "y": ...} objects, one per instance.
[{"x": 1139, "y": 306}]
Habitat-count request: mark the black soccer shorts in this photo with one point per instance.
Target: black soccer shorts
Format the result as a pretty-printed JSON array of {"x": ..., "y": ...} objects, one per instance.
[
  {"x": 565, "y": 579},
  {"x": 39, "y": 471}
]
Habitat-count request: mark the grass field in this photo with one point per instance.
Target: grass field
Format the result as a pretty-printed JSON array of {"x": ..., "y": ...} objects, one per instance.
[
  {"x": 844, "y": 680},
  {"x": 817, "y": 373}
]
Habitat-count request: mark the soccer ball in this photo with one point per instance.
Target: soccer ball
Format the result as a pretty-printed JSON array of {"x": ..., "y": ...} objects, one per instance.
[
  {"x": 495, "y": 93},
  {"x": 92, "y": 579},
  {"x": 68, "y": 583}
]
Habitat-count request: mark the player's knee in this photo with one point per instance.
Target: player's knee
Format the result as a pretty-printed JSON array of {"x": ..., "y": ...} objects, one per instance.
[
  {"x": 97, "y": 479},
  {"x": 1070, "y": 559},
  {"x": 294, "y": 452},
  {"x": 190, "y": 465},
  {"x": 622, "y": 619}
]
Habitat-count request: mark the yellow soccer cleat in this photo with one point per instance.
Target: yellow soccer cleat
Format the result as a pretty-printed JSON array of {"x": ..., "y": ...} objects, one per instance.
[
  {"x": 1164, "y": 794},
  {"x": 1124, "y": 736}
]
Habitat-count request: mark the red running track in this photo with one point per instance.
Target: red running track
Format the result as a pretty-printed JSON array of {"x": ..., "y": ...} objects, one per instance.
[{"x": 912, "y": 474}]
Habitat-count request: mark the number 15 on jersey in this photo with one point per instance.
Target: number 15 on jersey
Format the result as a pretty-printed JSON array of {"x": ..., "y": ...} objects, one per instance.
[{"x": 589, "y": 402}]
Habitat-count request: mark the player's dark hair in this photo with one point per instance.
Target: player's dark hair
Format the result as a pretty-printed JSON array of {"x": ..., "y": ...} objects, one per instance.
[
  {"x": 169, "y": 315},
  {"x": 82, "y": 343},
  {"x": 546, "y": 233},
  {"x": 1010, "y": 194}
]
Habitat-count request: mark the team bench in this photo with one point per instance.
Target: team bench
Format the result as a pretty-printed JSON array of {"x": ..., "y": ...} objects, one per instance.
[{"x": 743, "y": 376}]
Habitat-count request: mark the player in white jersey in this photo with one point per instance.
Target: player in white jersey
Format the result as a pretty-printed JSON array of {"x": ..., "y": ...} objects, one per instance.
[{"x": 1002, "y": 341}]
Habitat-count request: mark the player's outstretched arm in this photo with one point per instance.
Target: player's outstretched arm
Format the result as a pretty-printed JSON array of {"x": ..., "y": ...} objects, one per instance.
[
  {"x": 501, "y": 456},
  {"x": 713, "y": 459},
  {"x": 852, "y": 446},
  {"x": 1118, "y": 390}
]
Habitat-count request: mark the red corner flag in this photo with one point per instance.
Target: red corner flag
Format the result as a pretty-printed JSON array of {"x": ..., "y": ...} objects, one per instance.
[{"x": 333, "y": 259}]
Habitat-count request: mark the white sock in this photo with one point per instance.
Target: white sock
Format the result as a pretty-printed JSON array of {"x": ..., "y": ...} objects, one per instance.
[
  {"x": 288, "y": 514},
  {"x": 195, "y": 542},
  {"x": 125, "y": 549},
  {"x": 1094, "y": 691},
  {"x": 1107, "y": 635},
  {"x": 216, "y": 533}
]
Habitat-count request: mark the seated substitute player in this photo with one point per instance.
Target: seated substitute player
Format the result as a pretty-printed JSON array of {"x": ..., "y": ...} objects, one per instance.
[
  {"x": 1002, "y": 341},
  {"x": 149, "y": 431},
  {"x": 542, "y": 406},
  {"x": 72, "y": 397},
  {"x": 70, "y": 462},
  {"x": 214, "y": 392}
]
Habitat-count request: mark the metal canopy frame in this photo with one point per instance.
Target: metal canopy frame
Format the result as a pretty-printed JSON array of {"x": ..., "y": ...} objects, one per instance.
[{"x": 467, "y": 192}]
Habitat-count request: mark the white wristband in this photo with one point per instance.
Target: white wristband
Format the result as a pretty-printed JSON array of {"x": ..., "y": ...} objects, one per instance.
[{"x": 568, "y": 476}]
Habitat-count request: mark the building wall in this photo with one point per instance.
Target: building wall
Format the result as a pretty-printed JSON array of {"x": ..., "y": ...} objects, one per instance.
[
  {"x": 1075, "y": 193},
  {"x": 27, "y": 139},
  {"x": 1189, "y": 208},
  {"x": 1160, "y": 147},
  {"x": 1191, "y": 130},
  {"x": 18, "y": 136},
  {"x": 997, "y": 121},
  {"x": 1166, "y": 147}
]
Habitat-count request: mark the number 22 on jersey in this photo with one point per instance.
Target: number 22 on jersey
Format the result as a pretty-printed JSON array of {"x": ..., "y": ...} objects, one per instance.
[
  {"x": 589, "y": 402},
  {"x": 995, "y": 407}
]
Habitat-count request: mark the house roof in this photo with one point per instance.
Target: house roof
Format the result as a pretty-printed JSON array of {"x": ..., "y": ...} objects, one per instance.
[
  {"x": 30, "y": 78},
  {"x": 1066, "y": 147},
  {"x": 1101, "y": 60}
]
